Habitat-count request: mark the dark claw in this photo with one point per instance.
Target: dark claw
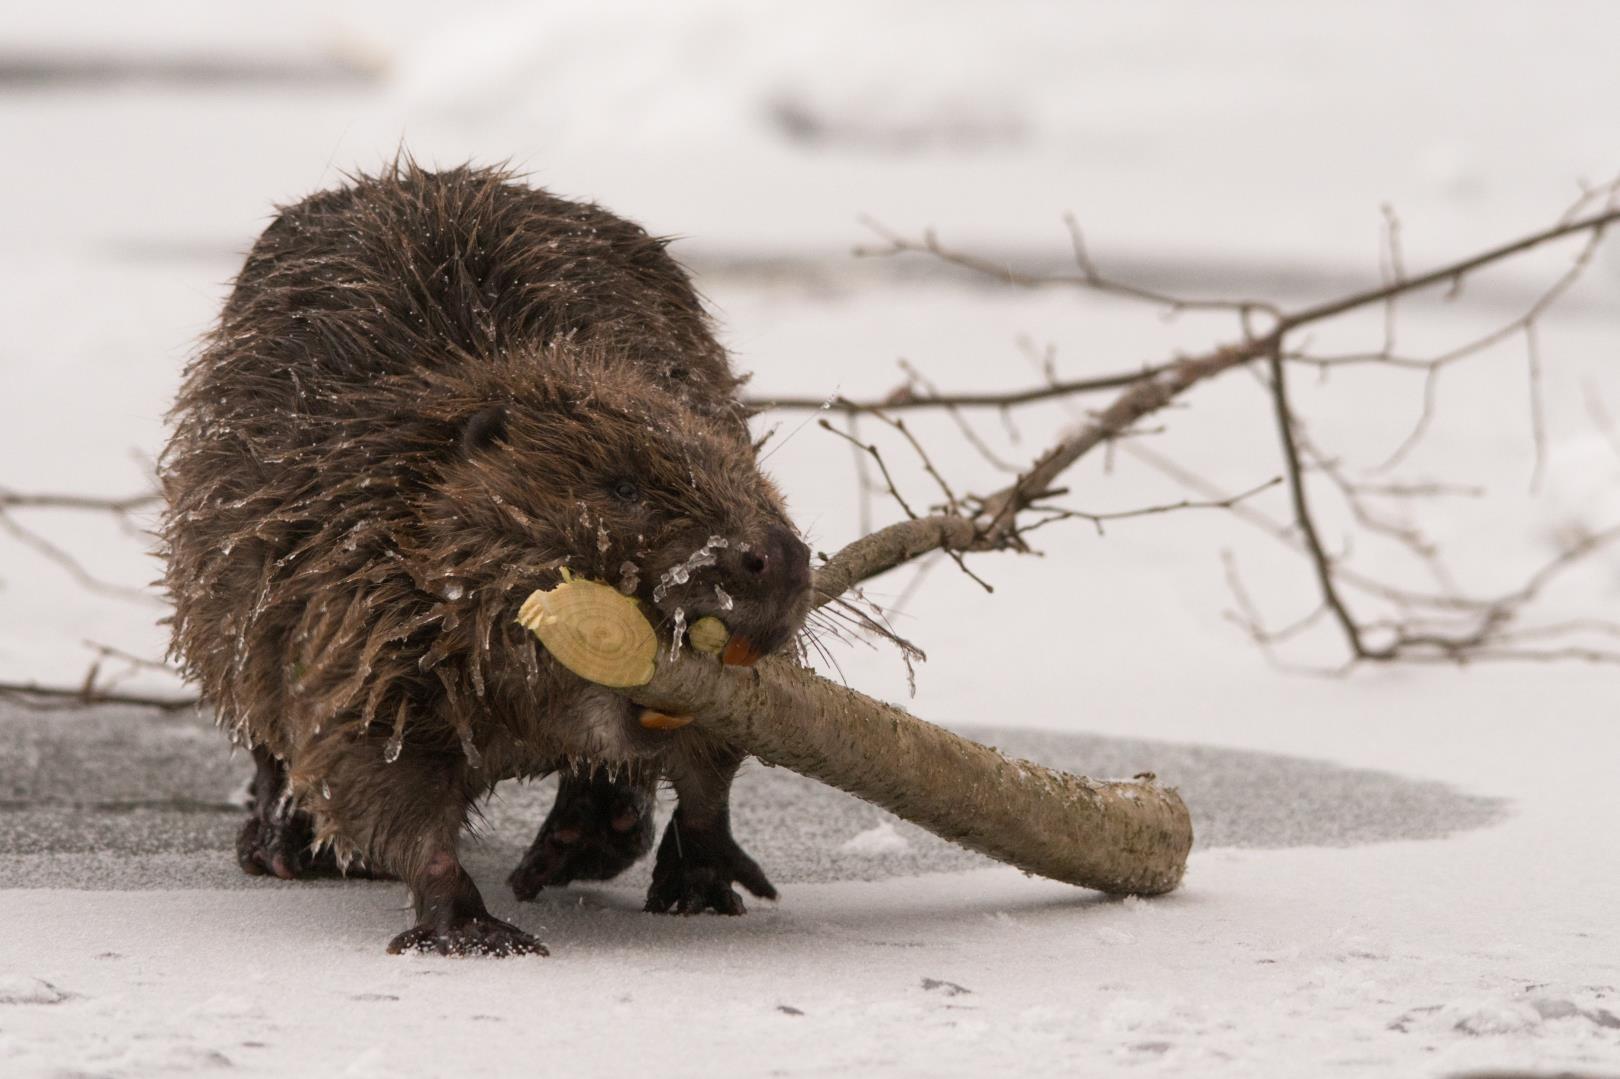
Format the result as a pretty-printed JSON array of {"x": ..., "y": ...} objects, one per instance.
[
  {"x": 596, "y": 829},
  {"x": 696, "y": 869},
  {"x": 485, "y": 935}
]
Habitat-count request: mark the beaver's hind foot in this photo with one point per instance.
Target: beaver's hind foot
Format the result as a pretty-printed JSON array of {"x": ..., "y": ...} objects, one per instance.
[
  {"x": 485, "y": 935},
  {"x": 452, "y": 919}
]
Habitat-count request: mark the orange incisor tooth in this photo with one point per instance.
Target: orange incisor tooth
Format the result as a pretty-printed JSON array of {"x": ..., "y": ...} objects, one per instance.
[
  {"x": 740, "y": 652},
  {"x": 663, "y": 721}
]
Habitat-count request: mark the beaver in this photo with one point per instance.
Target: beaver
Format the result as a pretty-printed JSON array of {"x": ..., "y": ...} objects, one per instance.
[{"x": 428, "y": 394}]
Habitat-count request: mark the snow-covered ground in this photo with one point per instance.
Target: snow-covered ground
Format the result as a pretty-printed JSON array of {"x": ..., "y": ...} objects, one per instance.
[{"x": 1211, "y": 149}]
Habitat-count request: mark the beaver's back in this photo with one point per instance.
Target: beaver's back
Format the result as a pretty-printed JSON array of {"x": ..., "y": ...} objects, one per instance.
[{"x": 416, "y": 269}]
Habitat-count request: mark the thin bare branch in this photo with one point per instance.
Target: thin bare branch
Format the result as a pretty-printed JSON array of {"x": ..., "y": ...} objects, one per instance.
[
  {"x": 863, "y": 480},
  {"x": 1394, "y": 270},
  {"x": 107, "y": 651},
  {"x": 905, "y": 397},
  {"x": 1600, "y": 417},
  {"x": 870, "y": 450},
  {"x": 1321, "y": 562},
  {"x": 953, "y": 507},
  {"x": 1099, "y": 519},
  {"x": 952, "y": 503},
  {"x": 130, "y": 504},
  {"x": 1089, "y": 277},
  {"x": 73, "y": 566},
  {"x": 969, "y": 433},
  {"x": 1538, "y": 410},
  {"x": 57, "y": 698}
]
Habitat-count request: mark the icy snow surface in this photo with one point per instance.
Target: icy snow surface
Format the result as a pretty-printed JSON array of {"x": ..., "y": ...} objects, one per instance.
[{"x": 1404, "y": 872}]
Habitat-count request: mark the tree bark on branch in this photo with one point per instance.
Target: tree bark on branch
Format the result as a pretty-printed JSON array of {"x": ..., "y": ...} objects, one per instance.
[{"x": 1120, "y": 836}]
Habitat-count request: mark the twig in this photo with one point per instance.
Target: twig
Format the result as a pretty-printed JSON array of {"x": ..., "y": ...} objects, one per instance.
[
  {"x": 870, "y": 450},
  {"x": 952, "y": 503},
  {"x": 1394, "y": 270},
  {"x": 1089, "y": 276},
  {"x": 1600, "y": 417},
  {"x": 962, "y": 424},
  {"x": 904, "y": 398},
  {"x": 952, "y": 508},
  {"x": 57, "y": 698},
  {"x": 107, "y": 651},
  {"x": 1098, "y": 519},
  {"x": 15, "y": 500},
  {"x": 1595, "y": 226},
  {"x": 863, "y": 481},
  {"x": 1353, "y": 495},
  {"x": 1320, "y": 560},
  {"x": 1538, "y": 412},
  {"x": 74, "y": 568}
]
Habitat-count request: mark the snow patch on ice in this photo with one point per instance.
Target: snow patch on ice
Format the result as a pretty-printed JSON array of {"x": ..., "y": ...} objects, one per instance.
[
  {"x": 22, "y": 989},
  {"x": 876, "y": 842}
]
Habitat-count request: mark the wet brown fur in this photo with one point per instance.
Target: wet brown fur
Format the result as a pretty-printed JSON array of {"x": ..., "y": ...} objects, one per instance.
[{"x": 424, "y": 397}]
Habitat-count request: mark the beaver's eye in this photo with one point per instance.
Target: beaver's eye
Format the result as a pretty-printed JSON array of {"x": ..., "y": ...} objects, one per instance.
[{"x": 625, "y": 491}]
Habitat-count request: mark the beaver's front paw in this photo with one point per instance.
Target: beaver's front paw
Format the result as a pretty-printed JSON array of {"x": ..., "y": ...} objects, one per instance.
[
  {"x": 480, "y": 935},
  {"x": 596, "y": 829},
  {"x": 696, "y": 869}
]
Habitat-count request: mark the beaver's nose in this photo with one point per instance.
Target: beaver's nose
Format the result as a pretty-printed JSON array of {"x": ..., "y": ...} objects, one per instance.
[{"x": 780, "y": 560}]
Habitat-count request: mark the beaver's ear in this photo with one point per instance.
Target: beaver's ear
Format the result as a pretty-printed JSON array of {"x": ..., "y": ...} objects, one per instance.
[{"x": 483, "y": 429}]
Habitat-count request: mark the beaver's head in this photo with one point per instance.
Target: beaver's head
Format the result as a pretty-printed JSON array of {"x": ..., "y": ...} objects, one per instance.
[{"x": 627, "y": 482}]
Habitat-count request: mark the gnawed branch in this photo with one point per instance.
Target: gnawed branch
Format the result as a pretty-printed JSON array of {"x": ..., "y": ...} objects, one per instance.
[{"x": 1122, "y": 836}]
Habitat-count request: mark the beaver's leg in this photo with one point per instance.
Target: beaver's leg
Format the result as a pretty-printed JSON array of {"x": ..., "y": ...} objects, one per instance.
[
  {"x": 698, "y": 860},
  {"x": 406, "y": 817},
  {"x": 599, "y": 825}
]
